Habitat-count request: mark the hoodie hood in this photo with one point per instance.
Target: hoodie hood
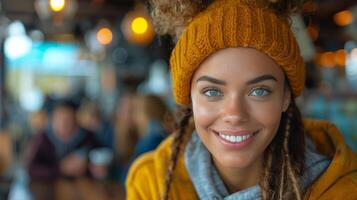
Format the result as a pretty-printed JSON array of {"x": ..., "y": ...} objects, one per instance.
[{"x": 329, "y": 142}]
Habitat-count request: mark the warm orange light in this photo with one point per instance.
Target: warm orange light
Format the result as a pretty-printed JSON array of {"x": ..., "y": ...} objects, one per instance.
[
  {"x": 327, "y": 59},
  {"x": 343, "y": 18},
  {"x": 137, "y": 28},
  {"x": 104, "y": 36},
  {"x": 57, "y": 5},
  {"x": 340, "y": 57},
  {"x": 139, "y": 25}
]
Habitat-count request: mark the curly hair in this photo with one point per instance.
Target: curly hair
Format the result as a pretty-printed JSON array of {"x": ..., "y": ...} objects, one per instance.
[{"x": 171, "y": 17}]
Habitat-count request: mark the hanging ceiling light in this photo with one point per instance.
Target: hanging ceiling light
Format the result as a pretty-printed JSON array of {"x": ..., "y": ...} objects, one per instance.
[
  {"x": 57, "y": 5},
  {"x": 47, "y": 9},
  {"x": 137, "y": 27}
]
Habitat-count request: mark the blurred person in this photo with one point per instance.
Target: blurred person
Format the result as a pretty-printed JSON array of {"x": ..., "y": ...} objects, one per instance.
[
  {"x": 61, "y": 149},
  {"x": 90, "y": 118},
  {"x": 125, "y": 136},
  {"x": 37, "y": 121},
  {"x": 154, "y": 122},
  {"x": 125, "y": 130}
]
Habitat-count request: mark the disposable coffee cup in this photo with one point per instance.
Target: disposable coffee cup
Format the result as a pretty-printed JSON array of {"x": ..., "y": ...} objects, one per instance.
[{"x": 101, "y": 156}]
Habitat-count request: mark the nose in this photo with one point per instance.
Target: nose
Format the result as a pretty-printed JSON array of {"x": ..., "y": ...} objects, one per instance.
[{"x": 235, "y": 110}]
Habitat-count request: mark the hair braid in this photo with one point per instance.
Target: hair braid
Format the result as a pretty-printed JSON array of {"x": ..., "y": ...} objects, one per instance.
[
  {"x": 264, "y": 183},
  {"x": 282, "y": 178},
  {"x": 273, "y": 154},
  {"x": 176, "y": 145},
  {"x": 292, "y": 172},
  {"x": 288, "y": 161}
]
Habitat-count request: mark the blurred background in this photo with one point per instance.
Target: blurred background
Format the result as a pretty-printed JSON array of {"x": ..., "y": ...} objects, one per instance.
[{"x": 85, "y": 89}]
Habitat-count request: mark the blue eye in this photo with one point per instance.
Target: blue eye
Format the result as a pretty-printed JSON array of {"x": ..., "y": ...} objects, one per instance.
[
  {"x": 212, "y": 93},
  {"x": 260, "y": 92}
]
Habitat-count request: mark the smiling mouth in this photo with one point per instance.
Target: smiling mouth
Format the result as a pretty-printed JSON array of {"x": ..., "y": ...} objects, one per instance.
[{"x": 236, "y": 138}]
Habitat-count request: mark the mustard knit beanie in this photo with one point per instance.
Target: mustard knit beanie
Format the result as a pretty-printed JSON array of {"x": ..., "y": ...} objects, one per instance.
[{"x": 233, "y": 23}]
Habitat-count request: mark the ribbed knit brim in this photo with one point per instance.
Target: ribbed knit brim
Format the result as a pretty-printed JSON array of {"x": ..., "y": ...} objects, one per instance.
[{"x": 232, "y": 23}]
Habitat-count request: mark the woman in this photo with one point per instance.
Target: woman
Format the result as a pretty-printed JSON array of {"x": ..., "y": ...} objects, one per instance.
[
  {"x": 153, "y": 120},
  {"x": 237, "y": 70},
  {"x": 125, "y": 136}
]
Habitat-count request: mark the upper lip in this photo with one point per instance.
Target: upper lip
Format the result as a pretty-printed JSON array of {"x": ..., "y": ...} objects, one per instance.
[{"x": 235, "y": 133}]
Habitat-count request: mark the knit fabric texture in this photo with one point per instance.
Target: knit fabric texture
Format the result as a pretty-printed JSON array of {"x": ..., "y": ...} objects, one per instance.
[{"x": 229, "y": 24}]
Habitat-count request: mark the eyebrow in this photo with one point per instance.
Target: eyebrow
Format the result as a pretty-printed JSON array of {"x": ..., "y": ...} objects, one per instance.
[
  {"x": 211, "y": 79},
  {"x": 262, "y": 78},
  {"x": 250, "y": 82}
]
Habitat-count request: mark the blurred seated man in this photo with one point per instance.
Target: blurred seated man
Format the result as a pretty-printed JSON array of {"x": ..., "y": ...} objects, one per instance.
[{"x": 61, "y": 150}]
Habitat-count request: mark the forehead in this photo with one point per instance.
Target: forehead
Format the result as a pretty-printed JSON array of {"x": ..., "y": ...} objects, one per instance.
[
  {"x": 238, "y": 64},
  {"x": 62, "y": 110}
]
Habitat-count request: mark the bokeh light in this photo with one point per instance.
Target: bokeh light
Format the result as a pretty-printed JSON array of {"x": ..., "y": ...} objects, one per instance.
[
  {"x": 104, "y": 36},
  {"x": 57, "y": 5},
  {"x": 139, "y": 25},
  {"x": 340, "y": 57},
  {"x": 343, "y": 18}
]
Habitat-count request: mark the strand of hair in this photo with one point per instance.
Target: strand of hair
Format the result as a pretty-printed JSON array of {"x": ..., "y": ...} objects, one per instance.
[{"x": 287, "y": 157}]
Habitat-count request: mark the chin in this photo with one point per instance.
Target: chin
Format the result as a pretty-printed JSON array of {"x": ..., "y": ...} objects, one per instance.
[{"x": 234, "y": 162}]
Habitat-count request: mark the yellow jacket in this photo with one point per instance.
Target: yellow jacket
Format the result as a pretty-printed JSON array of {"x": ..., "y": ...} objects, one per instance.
[{"x": 339, "y": 181}]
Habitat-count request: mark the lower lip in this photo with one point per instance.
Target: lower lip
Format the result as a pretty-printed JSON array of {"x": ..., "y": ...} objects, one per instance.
[{"x": 236, "y": 145}]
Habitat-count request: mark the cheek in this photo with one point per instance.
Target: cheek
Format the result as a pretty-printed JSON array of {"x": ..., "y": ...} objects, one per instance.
[
  {"x": 268, "y": 114},
  {"x": 204, "y": 113}
]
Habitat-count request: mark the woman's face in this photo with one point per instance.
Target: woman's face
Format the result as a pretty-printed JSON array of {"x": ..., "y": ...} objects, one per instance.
[{"x": 238, "y": 96}]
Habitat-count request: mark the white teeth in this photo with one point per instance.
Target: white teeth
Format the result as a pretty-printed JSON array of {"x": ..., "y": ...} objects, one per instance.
[{"x": 233, "y": 138}]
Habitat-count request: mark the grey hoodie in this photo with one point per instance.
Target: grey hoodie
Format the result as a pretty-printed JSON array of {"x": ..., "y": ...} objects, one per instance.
[{"x": 209, "y": 185}]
